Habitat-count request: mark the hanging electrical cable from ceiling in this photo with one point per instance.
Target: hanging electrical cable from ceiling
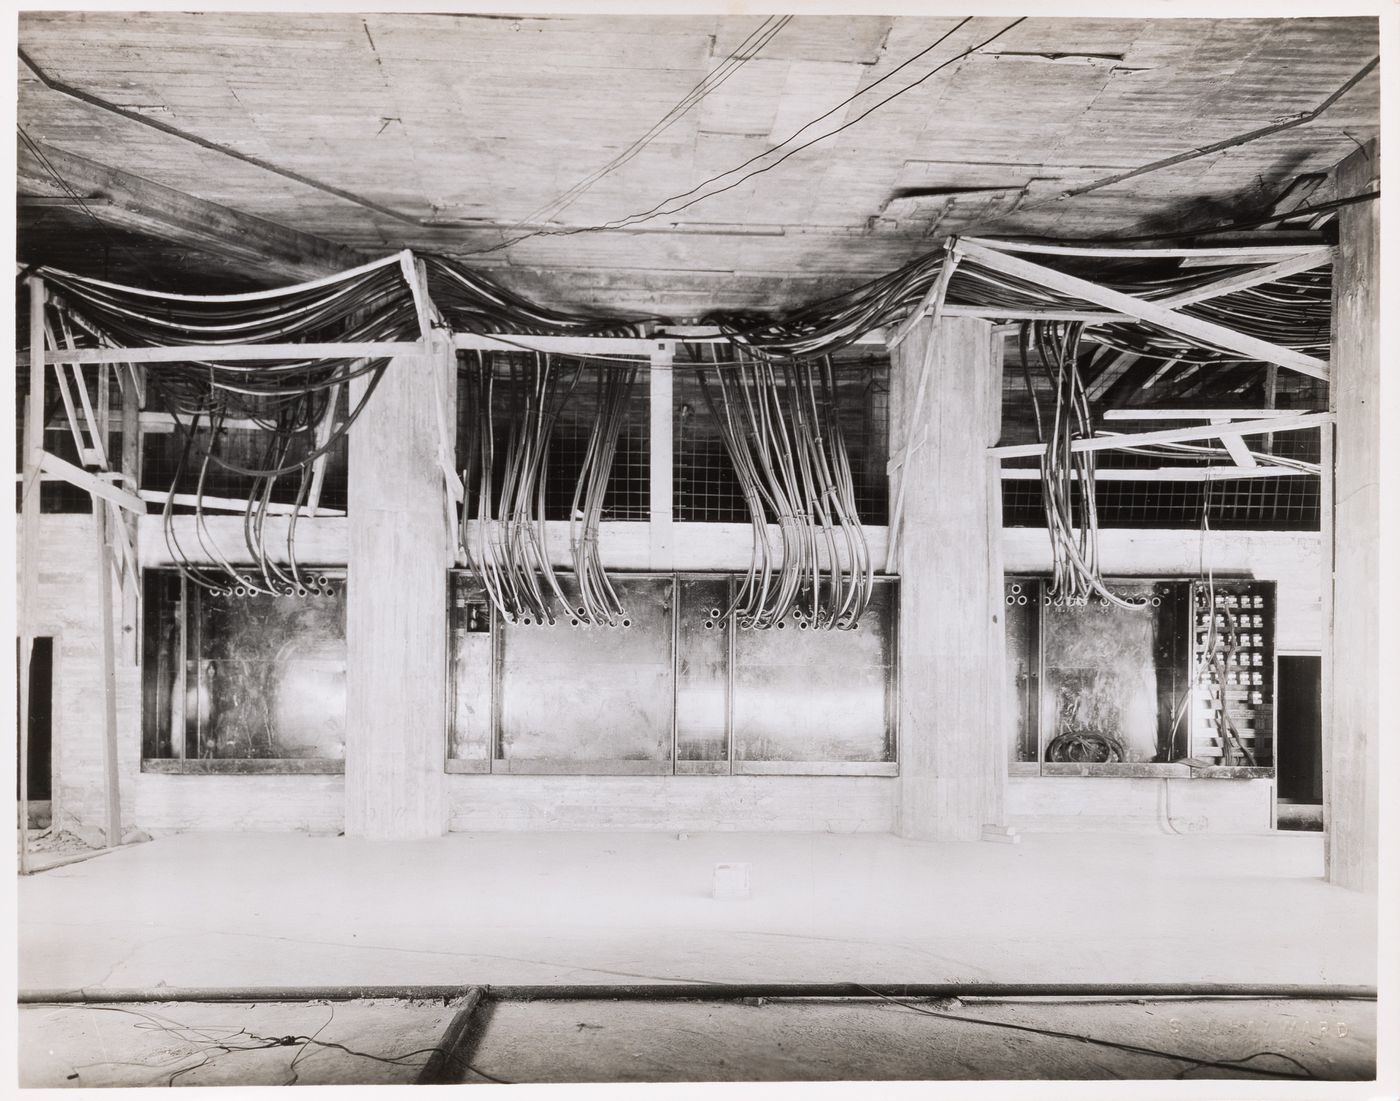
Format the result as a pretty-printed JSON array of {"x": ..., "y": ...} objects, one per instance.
[
  {"x": 503, "y": 536},
  {"x": 598, "y": 599},
  {"x": 1292, "y": 312},
  {"x": 513, "y": 405},
  {"x": 293, "y": 405},
  {"x": 472, "y": 303},
  {"x": 1066, "y": 474},
  {"x": 781, "y": 428}
]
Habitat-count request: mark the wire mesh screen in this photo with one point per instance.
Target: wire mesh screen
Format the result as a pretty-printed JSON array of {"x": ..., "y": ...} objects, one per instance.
[
  {"x": 237, "y": 444},
  {"x": 704, "y": 486},
  {"x": 628, "y": 494},
  {"x": 1288, "y": 502},
  {"x": 1291, "y": 502},
  {"x": 1260, "y": 504}
]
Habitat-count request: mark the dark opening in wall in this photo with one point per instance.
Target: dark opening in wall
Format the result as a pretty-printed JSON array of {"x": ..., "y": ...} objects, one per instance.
[
  {"x": 40, "y": 722},
  {"x": 1300, "y": 729}
]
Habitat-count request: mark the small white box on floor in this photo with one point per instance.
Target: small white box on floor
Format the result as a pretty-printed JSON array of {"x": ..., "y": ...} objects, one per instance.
[{"x": 732, "y": 881}]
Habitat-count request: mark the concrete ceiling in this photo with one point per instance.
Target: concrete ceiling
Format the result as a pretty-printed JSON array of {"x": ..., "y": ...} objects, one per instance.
[{"x": 454, "y": 133}]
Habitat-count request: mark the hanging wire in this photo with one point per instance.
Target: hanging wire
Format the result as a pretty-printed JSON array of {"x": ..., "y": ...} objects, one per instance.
[
  {"x": 781, "y": 428},
  {"x": 1066, "y": 475},
  {"x": 503, "y": 529},
  {"x": 290, "y": 404}
]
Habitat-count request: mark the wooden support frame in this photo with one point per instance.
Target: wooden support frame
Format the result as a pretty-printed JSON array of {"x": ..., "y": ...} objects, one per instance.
[
  {"x": 229, "y": 504},
  {"x": 1168, "y": 473},
  {"x": 416, "y": 277},
  {"x": 30, "y": 546},
  {"x": 563, "y": 345},
  {"x": 1306, "y": 259},
  {"x": 1194, "y": 328},
  {"x": 319, "y": 464},
  {"x": 74, "y": 425},
  {"x": 1191, "y": 414},
  {"x": 935, "y": 300},
  {"x": 1111, "y": 372},
  {"x": 130, "y": 650},
  {"x": 98, "y": 487},
  {"x": 1173, "y": 435},
  {"x": 110, "y": 749},
  {"x": 1294, "y": 265},
  {"x": 1227, "y": 254},
  {"x": 230, "y": 353},
  {"x": 1032, "y": 313},
  {"x": 1235, "y": 445},
  {"x": 662, "y": 409}
]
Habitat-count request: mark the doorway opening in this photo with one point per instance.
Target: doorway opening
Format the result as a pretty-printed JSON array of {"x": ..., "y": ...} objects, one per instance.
[
  {"x": 1299, "y": 732},
  {"x": 40, "y": 735}
]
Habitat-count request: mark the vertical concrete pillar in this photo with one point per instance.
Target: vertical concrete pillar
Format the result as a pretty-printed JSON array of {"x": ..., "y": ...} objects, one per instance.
[
  {"x": 1351, "y": 730},
  {"x": 951, "y": 631},
  {"x": 396, "y": 606}
]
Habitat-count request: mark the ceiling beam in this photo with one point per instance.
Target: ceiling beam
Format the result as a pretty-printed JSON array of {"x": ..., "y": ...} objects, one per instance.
[{"x": 264, "y": 249}]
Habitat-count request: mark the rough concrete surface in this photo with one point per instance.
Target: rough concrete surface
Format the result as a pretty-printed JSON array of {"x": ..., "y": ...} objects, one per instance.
[
  {"x": 791, "y": 1041},
  {"x": 384, "y": 1042},
  {"x": 202, "y": 1044},
  {"x": 226, "y": 910}
]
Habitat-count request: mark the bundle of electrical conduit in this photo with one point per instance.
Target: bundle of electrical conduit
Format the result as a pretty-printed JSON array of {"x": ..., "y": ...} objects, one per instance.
[
  {"x": 780, "y": 426},
  {"x": 292, "y": 402}
]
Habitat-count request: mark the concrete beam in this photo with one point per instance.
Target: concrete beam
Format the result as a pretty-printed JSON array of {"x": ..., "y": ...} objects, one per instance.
[{"x": 130, "y": 202}]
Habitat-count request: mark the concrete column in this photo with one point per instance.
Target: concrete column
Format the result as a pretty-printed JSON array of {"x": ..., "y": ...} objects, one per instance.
[
  {"x": 1351, "y": 677},
  {"x": 396, "y": 618},
  {"x": 951, "y": 633}
]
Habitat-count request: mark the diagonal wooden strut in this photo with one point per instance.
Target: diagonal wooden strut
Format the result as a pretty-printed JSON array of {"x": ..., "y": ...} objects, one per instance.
[{"x": 1164, "y": 317}]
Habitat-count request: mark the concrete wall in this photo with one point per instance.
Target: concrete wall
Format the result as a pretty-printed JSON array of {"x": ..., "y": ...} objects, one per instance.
[
  {"x": 1293, "y": 559},
  {"x": 67, "y": 610},
  {"x": 1061, "y": 804},
  {"x": 170, "y": 804},
  {"x": 836, "y": 804},
  {"x": 159, "y": 803}
]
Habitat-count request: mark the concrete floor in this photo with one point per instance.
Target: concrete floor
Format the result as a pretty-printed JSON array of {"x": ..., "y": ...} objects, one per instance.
[
  {"x": 238, "y": 910},
  {"x": 384, "y": 1042}
]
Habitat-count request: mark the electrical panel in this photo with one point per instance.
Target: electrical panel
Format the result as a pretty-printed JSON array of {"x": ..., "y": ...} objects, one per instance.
[
  {"x": 1232, "y": 713},
  {"x": 1182, "y": 678},
  {"x": 673, "y": 688}
]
